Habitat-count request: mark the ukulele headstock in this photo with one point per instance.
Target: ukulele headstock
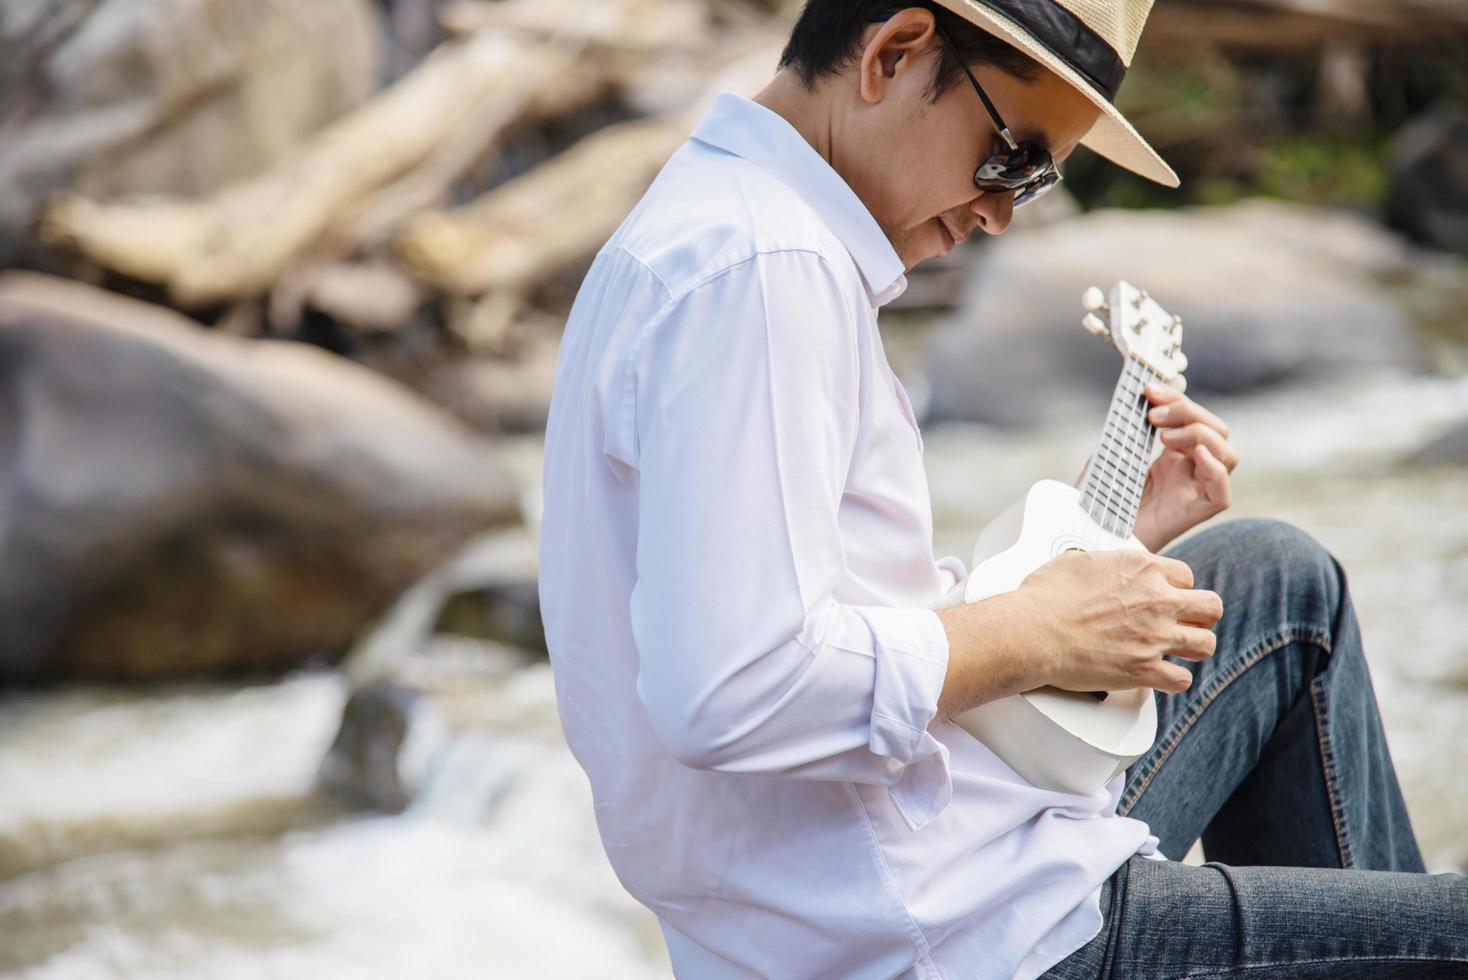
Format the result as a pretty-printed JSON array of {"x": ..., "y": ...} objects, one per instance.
[{"x": 1139, "y": 327}]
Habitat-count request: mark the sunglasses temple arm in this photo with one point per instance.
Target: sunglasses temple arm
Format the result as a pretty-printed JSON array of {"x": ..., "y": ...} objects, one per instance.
[
  {"x": 993, "y": 112},
  {"x": 983, "y": 96}
]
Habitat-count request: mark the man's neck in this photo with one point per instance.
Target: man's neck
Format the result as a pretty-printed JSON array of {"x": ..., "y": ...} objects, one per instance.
[{"x": 809, "y": 112}]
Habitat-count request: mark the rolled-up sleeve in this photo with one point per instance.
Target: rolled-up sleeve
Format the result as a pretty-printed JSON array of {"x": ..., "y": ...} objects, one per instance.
[{"x": 746, "y": 413}]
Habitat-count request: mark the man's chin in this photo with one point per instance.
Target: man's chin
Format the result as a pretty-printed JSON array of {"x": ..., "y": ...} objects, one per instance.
[{"x": 909, "y": 262}]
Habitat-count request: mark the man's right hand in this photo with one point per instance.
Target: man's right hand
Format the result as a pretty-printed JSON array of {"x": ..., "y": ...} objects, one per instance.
[{"x": 1104, "y": 620}]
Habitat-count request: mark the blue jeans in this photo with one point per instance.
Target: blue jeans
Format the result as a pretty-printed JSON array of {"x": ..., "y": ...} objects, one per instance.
[{"x": 1275, "y": 757}]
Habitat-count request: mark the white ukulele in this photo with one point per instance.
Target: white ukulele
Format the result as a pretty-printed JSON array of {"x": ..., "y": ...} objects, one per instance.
[{"x": 1076, "y": 741}]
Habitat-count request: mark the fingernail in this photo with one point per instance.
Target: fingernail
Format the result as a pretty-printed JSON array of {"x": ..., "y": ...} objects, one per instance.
[{"x": 1158, "y": 414}]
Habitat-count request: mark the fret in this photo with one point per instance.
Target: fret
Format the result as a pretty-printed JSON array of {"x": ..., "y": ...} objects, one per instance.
[
  {"x": 1118, "y": 475},
  {"x": 1116, "y": 480},
  {"x": 1120, "y": 458},
  {"x": 1121, "y": 481},
  {"x": 1128, "y": 442}
]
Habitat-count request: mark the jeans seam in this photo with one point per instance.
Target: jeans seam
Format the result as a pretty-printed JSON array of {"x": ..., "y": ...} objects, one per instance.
[
  {"x": 1328, "y": 770},
  {"x": 1287, "y": 634},
  {"x": 1235, "y": 970}
]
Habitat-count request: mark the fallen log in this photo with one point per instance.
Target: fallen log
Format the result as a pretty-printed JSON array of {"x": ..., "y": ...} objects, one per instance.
[
  {"x": 522, "y": 229},
  {"x": 501, "y": 245},
  {"x": 237, "y": 242},
  {"x": 680, "y": 25},
  {"x": 1284, "y": 25}
]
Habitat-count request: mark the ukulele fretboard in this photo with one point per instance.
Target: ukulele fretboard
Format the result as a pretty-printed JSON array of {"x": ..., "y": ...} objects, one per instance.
[{"x": 1113, "y": 488}]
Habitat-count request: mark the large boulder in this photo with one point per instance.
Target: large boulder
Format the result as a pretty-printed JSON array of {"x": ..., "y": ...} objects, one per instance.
[
  {"x": 166, "y": 96},
  {"x": 174, "y": 500},
  {"x": 1429, "y": 179},
  {"x": 1268, "y": 292},
  {"x": 1448, "y": 449}
]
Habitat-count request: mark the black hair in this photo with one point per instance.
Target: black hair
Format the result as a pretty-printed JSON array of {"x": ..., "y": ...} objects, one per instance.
[{"x": 826, "y": 37}]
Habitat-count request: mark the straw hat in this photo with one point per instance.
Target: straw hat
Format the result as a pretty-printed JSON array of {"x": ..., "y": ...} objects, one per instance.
[{"x": 1090, "y": 44}]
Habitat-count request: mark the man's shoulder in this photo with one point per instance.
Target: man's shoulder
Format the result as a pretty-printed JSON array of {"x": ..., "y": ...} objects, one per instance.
[{"x": 709, "y": 211}]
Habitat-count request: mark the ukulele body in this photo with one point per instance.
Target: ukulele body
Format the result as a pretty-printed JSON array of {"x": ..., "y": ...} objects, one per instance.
[{"x": 1061, "y": 740}]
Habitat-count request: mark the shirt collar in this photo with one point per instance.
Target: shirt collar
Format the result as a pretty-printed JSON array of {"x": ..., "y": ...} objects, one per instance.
[{"x": 766, "y": 139}]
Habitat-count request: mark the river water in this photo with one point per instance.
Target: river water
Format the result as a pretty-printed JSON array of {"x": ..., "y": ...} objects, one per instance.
[{"x": 177, "y": 831}]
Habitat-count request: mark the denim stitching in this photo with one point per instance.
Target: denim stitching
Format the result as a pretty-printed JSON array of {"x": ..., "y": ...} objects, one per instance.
[
  {"x": 1286, "y": 635},
  {"x": 1234, "y": 971},
  {"x": 1327, "y": 766}
]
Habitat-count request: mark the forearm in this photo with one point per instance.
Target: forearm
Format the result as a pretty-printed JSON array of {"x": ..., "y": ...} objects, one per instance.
[{"x": 992, "y": 652}]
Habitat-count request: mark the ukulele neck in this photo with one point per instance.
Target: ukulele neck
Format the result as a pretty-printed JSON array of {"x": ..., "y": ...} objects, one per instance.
[{"x": 1112, "y": 491}]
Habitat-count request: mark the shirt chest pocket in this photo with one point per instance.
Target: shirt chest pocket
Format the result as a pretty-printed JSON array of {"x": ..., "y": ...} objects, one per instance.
[{"x": 907, "y": 413}]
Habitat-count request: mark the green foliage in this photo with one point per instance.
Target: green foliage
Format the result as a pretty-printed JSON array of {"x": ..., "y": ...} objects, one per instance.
[
  {"x": 1343, "y": 170},
  {"x": 1237, "y": 126}
]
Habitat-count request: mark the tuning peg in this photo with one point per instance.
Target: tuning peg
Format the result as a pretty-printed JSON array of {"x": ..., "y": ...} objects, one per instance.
[
  {"x": 1175, "y": 325},
  {"x": 1094, "y": 300},
  {"x": 1094, "y": 324},
  {"x": 1140, "y": 298},
  {"x": 1180, "y": 383},
  {"x": 1180, "y": 361}
]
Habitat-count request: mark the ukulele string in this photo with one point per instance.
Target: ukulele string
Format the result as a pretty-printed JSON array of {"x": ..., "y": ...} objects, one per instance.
[
  {"x": 1104, "y": 489},
  {"x": 1126, "y": 441},
  {"x": 1141, "y": 435},
  {"x": 1119, "y": 452}
]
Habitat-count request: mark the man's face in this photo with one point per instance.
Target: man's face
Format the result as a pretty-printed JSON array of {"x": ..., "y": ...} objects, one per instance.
[{"x": 913, "y": 160}]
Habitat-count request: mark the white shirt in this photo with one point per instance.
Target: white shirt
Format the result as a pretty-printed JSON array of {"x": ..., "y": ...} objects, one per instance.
[{"x": 737, "y": 582}]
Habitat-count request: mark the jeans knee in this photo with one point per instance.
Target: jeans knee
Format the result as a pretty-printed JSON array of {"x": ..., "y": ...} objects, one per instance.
[{"x": 1289, "y": 559}]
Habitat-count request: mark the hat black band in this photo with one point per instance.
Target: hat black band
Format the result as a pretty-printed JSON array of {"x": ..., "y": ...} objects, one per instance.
[{"x": 1068, "y": 38}]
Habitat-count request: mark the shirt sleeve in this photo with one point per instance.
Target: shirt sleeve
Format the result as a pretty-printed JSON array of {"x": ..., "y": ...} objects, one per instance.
[
  {"x": 955, "y": 580},
  {"x": 746, "y": 414}
]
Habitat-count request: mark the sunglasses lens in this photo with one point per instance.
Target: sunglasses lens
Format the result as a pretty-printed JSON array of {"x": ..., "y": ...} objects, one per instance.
[
  {"x": 1018, "y": 166},
  {"x": 1027, "y": 170},
  {"x": 1037, "y": 188}
]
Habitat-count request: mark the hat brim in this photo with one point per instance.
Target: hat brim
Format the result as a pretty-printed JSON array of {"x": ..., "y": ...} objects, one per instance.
[{"x": 1112, "y": 136}]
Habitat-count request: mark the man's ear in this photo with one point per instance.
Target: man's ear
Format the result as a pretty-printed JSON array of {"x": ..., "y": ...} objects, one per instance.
[{"x": 890, "y": 50}]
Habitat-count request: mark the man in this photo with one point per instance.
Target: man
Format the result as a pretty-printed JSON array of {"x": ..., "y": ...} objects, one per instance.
[{"x": 738, "y": 584}]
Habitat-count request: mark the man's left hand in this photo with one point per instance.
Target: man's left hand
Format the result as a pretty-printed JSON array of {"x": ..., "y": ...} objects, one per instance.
[{"x": 1188, "y": 483}]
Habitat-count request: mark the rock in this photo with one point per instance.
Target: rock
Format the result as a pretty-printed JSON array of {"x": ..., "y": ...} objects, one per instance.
[
  {"x": 1450, "y": 448},
  {"x": 501, "y": 394},
  {"x": 1429, "y": 180},
  {"x": 166, "y": 96},
  {"x": 394, "y": 647},
  {"x": 388, "y": 733},
  {"x": 1268, "y": 291},
  {"x": 431, "y": 736},
  {"x": 175, "y": 501},
  {"x": 505, "y": 612}
]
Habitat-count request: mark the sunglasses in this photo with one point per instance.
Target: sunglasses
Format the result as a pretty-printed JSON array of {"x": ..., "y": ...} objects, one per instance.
[{"x": 1025, "y": 168}]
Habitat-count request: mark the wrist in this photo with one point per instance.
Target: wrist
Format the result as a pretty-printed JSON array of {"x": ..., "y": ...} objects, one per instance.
[
  {"x": 1151, "y": 536},
  {"x": 998, "y": 647}
]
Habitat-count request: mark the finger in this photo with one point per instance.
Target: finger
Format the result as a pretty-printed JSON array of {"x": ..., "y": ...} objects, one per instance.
[
  {"x": 1172, "y": 678},
  {"x": 1198, "y": 433},
  {"x": 1214, "y": 477},
  {"x": 1161, "y": 394},
  {"x": 1194, "y": 643},
  {"x": 1176, "y": 572},
  {"x": 1201, "y": 607},
  {"x": 1183, "y": 410}
]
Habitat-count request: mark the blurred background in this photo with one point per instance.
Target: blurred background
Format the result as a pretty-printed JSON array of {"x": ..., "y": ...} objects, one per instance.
[{"x": 281, "y": 295}]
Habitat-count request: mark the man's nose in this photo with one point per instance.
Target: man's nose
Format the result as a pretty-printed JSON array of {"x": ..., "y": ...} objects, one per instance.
[{"x": 993, "y": 211}]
